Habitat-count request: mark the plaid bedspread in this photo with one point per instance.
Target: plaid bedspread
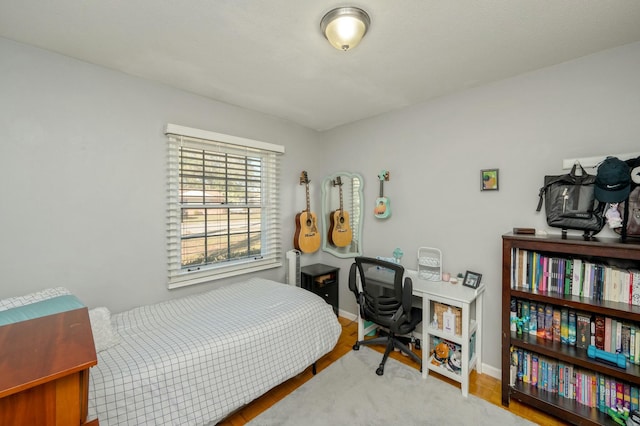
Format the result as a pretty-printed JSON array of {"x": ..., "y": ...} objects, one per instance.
[{"x": 194, "y": 360}]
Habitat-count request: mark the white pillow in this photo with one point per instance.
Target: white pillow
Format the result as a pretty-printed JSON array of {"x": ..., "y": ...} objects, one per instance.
[
  {"x": 104, "y": 336},
  {"x": 48, "y": 293}
]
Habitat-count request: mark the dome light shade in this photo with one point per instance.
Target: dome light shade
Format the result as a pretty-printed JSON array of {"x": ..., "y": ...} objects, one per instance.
[{"x": 344, "y": 27}]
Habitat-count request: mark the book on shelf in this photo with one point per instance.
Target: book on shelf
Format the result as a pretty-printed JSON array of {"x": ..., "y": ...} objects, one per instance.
[
  {"x": 568, "y": 275},
  {"x": 572, "y": 327},
  {"x": 548, "y": 322},
  {"x": 576, "y": 277},
  {"x": 632, "y": 345},
  {"x": 607, "y": 334},
  {"x": 634, "y": 401},
  {"x": 533, "y": 318},
  {"x": 564, "y": 325},
  {"x": 534, "y": 271},
  {"x": 618, "y": 339},
  {"x": 585, "y": 387},
  {"x": 599, "y": 332},
  {"x": 635, "y": 286},
  {"x": 627, "y": 396},
  {"x": 583, "y": 330},
  {"x": 541, "y": 321},
  {"x": 557, "y": 325}
]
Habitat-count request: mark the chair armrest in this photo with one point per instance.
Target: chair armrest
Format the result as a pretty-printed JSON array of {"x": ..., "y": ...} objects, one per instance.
[{"x": 407, "y": 296}]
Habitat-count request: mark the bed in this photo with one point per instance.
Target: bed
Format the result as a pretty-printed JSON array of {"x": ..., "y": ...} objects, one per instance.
[{"x": 196, "y": 359}]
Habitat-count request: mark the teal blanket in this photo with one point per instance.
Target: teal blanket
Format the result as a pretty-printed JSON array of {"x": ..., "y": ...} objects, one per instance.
[{"x": 40, "y": 309}]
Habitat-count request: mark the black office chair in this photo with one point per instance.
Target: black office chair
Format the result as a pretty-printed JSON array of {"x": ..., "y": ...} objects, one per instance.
[{"x": 384, "y": 300}]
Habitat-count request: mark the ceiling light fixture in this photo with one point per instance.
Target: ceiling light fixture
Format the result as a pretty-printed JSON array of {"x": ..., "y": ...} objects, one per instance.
[{"x": 344, "y": 27}]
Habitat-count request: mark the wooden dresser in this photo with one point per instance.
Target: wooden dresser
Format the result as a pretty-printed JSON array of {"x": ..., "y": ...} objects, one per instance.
[{"x": 44, "y": 370}]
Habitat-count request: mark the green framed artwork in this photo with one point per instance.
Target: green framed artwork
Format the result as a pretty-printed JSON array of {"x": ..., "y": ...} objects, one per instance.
[{"x": 489, "y": 179}]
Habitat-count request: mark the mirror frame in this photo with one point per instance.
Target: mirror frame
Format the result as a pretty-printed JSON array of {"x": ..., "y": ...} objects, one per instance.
[{"x": 353, "y": 202}]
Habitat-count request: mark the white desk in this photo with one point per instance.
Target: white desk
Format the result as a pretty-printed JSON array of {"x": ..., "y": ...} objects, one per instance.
[{"x": 453, "y": 295}]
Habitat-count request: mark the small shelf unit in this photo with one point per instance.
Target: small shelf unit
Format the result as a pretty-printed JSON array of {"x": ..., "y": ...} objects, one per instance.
[{"x": 469, "y": 302}]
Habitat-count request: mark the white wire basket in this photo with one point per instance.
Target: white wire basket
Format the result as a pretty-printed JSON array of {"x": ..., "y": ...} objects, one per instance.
[{"x": 430, "y": 264}]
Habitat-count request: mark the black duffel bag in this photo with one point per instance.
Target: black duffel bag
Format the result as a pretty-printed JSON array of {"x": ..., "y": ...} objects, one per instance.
[{"x": 570, "y": 202}]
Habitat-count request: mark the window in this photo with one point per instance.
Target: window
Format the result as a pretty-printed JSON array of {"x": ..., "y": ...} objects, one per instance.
[{"x": 223, "y": 206}]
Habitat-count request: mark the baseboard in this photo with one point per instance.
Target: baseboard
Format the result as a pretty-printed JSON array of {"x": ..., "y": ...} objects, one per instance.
[
  {"x": 496, "y": 373},
  {"x": 347, "y": 315}
]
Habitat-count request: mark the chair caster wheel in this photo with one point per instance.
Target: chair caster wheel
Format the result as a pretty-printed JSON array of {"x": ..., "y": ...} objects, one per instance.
[
  {"x": 356, "y": 347},
  {"x": 380, "y": 371}
]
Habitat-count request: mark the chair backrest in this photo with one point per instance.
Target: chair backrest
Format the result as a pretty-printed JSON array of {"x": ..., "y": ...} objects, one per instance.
[{"x": 382, "y": 292}]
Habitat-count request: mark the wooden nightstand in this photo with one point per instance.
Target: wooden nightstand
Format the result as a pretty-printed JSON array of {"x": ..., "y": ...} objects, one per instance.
[{"x": 44, "y": 375}]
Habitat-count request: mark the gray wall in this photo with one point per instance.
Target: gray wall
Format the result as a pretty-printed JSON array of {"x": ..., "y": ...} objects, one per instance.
[
  {"x": 82, "y": 175},
  {"x": 524, "y": 126},
  {"x": 76, "y": 136}
]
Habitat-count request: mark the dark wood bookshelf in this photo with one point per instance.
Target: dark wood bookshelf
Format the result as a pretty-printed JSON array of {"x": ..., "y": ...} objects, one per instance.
[{"x": 606, "y": 250}]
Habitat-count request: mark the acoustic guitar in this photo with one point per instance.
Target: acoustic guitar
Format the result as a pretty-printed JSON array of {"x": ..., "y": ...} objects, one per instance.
[
  {"x": 307, "y": 237},
  {"x": 383, "y": 205},
  {"x": 340, "y": 231}
]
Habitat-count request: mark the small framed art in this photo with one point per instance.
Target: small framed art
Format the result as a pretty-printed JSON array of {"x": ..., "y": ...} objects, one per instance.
[
  {"x": 472, "y": 279},
  {"x": 489, "y": 179}
]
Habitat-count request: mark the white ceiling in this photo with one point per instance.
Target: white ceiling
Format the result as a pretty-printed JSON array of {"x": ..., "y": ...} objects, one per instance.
[{"x": 270, "y": 56}]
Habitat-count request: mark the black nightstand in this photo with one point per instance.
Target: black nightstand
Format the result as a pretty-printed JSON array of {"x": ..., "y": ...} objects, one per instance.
[{"x": 323, "y": 281}]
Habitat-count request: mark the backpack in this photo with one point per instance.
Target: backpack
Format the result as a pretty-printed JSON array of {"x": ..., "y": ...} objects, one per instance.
[
  {"x": 570, "y": 202},
  {"x": 629, "y": 209}
]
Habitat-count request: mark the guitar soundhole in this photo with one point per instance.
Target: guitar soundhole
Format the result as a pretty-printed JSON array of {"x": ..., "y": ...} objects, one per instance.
[
  {"x": 341, "y": 219},
  {"x": 308, "y": 222}
]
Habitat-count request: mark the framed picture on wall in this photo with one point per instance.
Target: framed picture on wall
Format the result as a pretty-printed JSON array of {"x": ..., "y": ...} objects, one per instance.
[
  {"x": 489, "y": 179},
  {"x": 472, "y": 279}
]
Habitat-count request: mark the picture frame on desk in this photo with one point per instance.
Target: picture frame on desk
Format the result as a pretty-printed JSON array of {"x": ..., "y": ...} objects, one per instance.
[{"x": 472, "y": 279}]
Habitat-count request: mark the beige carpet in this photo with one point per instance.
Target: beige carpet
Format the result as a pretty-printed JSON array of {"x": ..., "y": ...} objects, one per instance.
[{"x": 349, "y": 392}]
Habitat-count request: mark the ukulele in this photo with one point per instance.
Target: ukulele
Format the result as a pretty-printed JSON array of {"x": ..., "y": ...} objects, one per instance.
[
  {"x": 307, "y": 237},
  {"x": 339, "y": 232},
  {"x": 383, "y": 205}
]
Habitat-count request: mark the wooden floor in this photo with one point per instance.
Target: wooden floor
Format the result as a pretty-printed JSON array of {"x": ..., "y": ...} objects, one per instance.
[{"x": 481, "y": 385}]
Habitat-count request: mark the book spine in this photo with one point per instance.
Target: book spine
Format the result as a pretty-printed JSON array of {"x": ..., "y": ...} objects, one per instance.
[
  {"x": 541, "y": 321},
  {"x": 607, "y": 334},
  {"x": 557, "y": 324},
  {"x": 583, "y": 338},
  {"x": 632, "y": 344},
  {"x": 568, "y": 276},
  {"x": 602, "y": 406},
  {"x": 626, "y": 340},
  {"x": 634, "y": 398},
  {"x": 576, "y": 281},
  {"x": 599, "y": 332},
  {"x": 533, "y": 318},
  {"x": 618, "y": 346},
  {"x": 627, "y": 396},
  {"x": 564, "y": 325},
  {"x": 548, "y": 322},
  {"x": 572, "y": 328},
  {"x": 619, "y": 394}
]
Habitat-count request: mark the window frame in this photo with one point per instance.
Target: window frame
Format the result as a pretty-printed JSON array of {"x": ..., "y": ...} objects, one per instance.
[{"x": 271, "y": 247}]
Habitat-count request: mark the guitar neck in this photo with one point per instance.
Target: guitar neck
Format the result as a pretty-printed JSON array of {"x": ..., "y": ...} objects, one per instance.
[
  {"x": 308, "y": 203},
  {"x": 381, "y": 188}
]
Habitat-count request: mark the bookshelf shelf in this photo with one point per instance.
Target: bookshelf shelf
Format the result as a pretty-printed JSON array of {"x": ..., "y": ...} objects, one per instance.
[{"x": 525, "y": 289}]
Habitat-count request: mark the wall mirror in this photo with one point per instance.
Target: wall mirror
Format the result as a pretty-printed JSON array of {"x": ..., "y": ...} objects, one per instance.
[{"x": 343, "y": 228}]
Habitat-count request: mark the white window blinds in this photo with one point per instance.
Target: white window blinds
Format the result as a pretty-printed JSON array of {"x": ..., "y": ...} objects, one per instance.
[{"x": 223, "y": 206}]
